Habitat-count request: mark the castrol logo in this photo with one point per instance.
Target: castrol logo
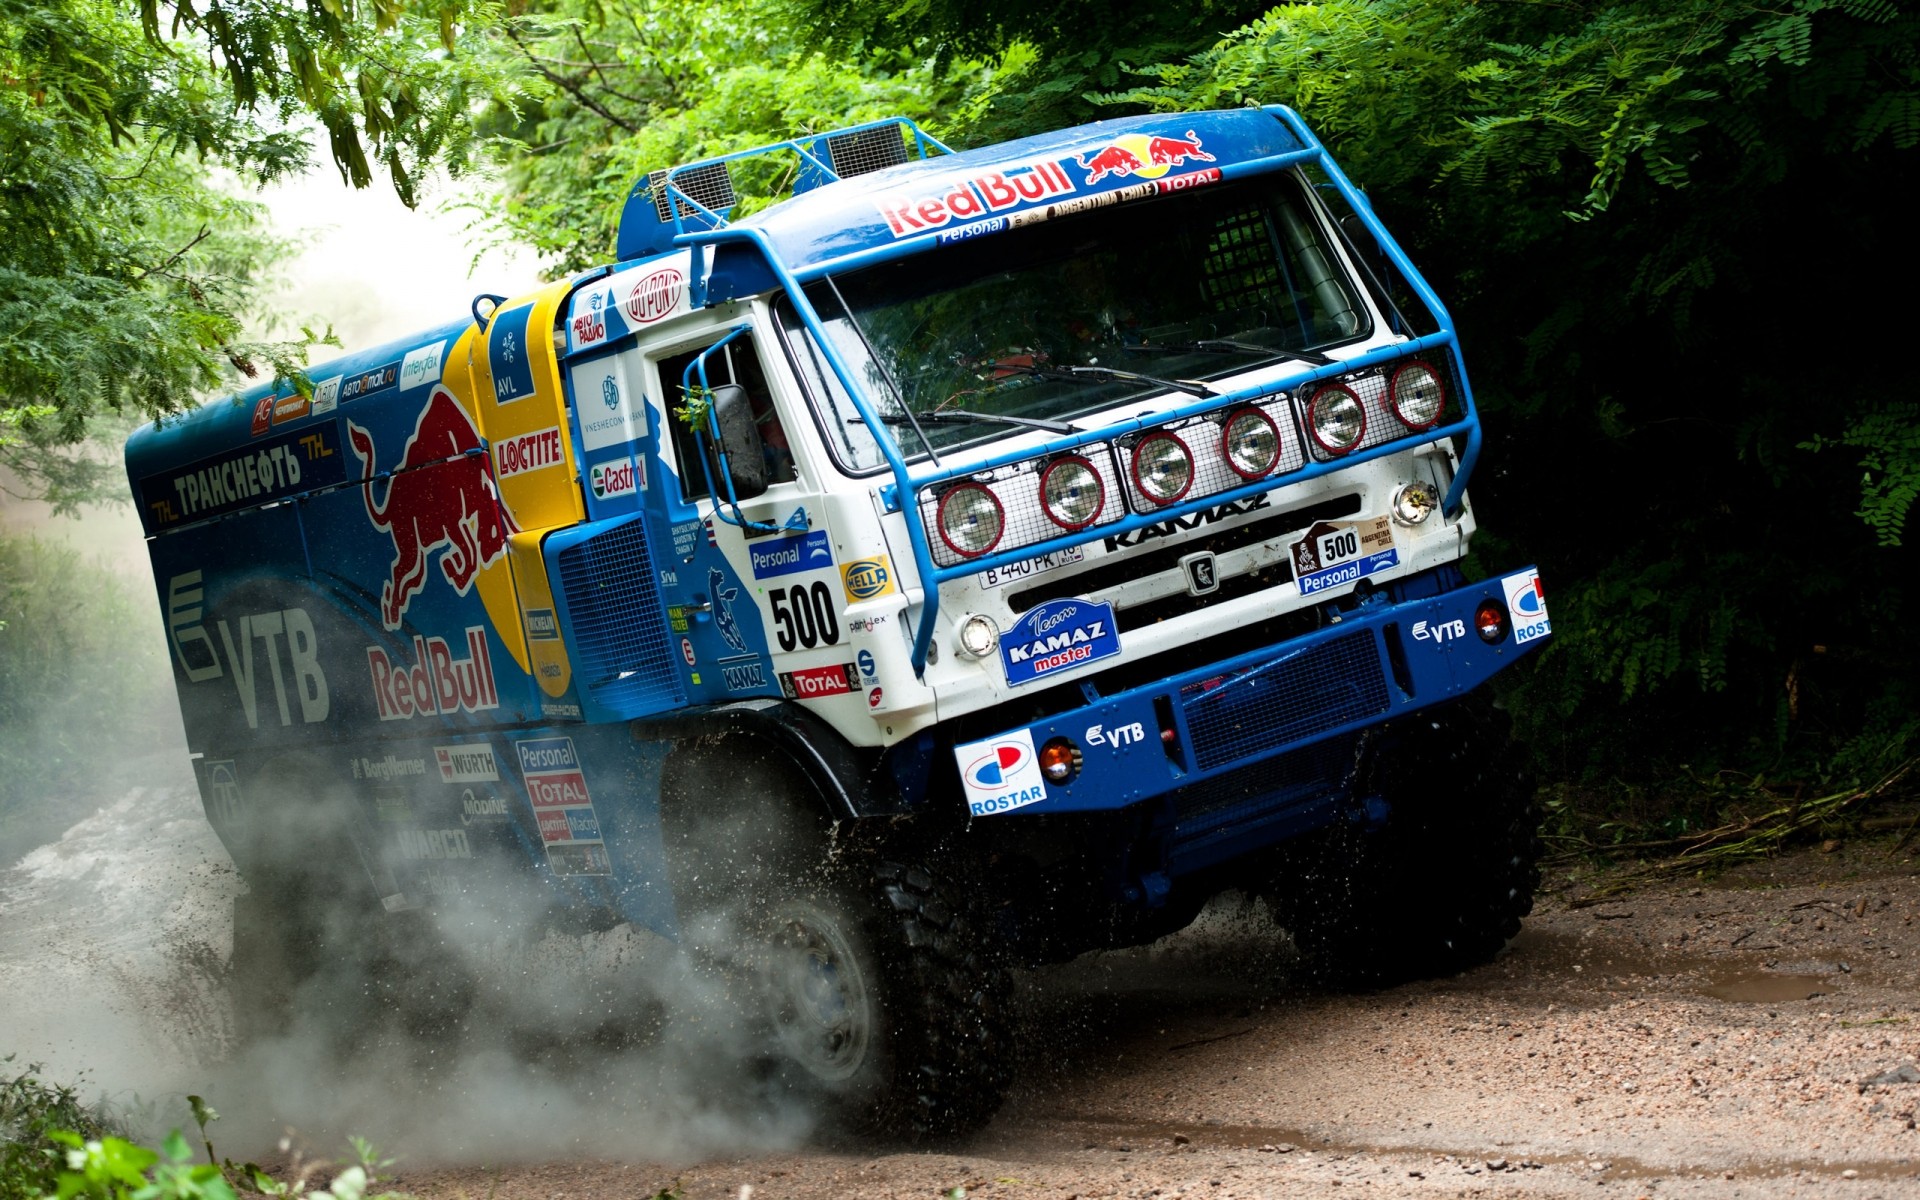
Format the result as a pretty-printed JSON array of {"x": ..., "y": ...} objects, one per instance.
[{"x": 655, "y": 296}]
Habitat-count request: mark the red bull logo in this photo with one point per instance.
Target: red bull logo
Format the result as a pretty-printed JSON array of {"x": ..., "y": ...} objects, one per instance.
[
  {"x": 980, "y": 196},
  {"x": 435, "y": 681},
  {"x": 455, "y": 508},
  {"x": 1141, "y": 156}
]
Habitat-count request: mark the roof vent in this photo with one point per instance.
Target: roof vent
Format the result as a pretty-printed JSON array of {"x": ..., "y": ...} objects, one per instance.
[
  {"x": 709, "y": 186},
  {"x": 866, "y": 150}
]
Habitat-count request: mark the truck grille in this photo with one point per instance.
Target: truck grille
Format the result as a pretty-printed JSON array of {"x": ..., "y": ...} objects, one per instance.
[
  {"x": 1265, "y": 787},
  {"x": 613, "y": 601},
  {"x": 1295, "y": 696}
]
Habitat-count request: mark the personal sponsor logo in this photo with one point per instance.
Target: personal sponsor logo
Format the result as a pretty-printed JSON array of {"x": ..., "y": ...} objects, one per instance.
[
  {"x": 285, "y": 465},
  {"x": 1057, "y": 636},
  {"x": 787, "y": 555},
  {"x": 1000, "y": 774},
  {"x": 282, "y": 640},
  {"x": 471, "y": 763},
  {"x": 287, "y": 409},
  {"x": 971, "y": 199},
  {"x": 542, "y": 625},
  {"x": 654, "y": 296},
  {"x": 366, "y": 383},
  {"x": 611, "y": 480},
  {"x": 867, "y": 578},
  {"x": 389, "y": 768},
  {"x": 562, "y": 806},
  {"x": 455, "y": 507},
  {"x": 1336, "y": 553},
  {"x": 816, "y": 683},
  {"x": 422, "y": 365},
  {"x": 435, "y": 682},
  {"x": 1193, "y": 520},
  {"x": 1029, "y": 567},
  {"x": 1527, "y": 605},
  {"x": 525, "y": 452}
]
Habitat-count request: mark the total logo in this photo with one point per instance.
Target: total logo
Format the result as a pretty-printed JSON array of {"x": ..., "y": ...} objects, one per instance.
[
  {"x": 1000, "y": 774},
  {"x": 1527, "y": 601}
]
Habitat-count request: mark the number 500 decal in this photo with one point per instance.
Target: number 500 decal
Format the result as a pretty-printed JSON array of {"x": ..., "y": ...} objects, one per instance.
[{"x": 803, "y": 616}]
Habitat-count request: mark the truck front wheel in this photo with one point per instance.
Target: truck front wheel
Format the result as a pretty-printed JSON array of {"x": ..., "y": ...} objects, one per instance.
[
  {"x": 1443, "y": 884},
  {"x": 882, "y": 1004}
]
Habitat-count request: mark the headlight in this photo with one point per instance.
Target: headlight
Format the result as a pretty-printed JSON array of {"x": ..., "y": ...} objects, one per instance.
[
  {"x": 1416, "y": 396},
  {"x": 977, "y": 636},
  {"x": 1251, "y": 443},
  {"x": 1414, "y": 503},
  {"x": 1336, "y": 419},
  {"x": 971, "y": 519},
  {"x": 1071, "y": 492},
  {"x": 1162, "y": 467}
]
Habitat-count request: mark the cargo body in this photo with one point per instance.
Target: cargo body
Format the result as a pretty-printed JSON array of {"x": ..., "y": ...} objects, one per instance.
[{"x": 1065, "y": 529}]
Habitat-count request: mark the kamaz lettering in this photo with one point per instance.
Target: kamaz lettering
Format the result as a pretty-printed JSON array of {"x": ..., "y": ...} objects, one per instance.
[
  {"x": 435, "y": 682},
  {"x": 1057, "y": 642},
  {"x": 1179, "y": 525}
]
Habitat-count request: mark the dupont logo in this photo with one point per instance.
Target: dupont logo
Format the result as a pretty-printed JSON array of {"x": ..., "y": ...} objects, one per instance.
[{"x": 655, "y": 296}]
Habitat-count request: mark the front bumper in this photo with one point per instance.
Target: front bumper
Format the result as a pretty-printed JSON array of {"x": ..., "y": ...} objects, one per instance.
[{"x": 1246, "y": 729}]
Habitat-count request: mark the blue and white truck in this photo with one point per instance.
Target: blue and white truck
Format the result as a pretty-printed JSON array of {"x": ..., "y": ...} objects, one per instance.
[{"x": 974, "y": 559}]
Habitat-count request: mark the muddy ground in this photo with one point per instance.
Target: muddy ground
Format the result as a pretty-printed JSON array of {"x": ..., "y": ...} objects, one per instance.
[{"x": 1691, "y": 1038}]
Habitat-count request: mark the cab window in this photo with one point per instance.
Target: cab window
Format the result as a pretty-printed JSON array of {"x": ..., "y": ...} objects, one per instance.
[{"x": 737, "y": 362}]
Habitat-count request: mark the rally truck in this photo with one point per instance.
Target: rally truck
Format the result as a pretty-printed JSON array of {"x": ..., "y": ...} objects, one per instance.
[{"x": 971, "y": 560}]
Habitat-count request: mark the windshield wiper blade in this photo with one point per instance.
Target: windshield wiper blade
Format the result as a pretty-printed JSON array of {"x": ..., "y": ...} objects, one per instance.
[
  {"x": 1227, "y": 346},
  {"x": 1104, "y": 375},
  {"x": 961, "y": 416}
]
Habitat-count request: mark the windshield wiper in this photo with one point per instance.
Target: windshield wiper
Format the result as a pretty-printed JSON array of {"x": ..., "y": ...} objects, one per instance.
[
  {"x": 961, "y": 416},
  {"x": 1227, "y": 346},
  {"x": 1102, "y": 375}
]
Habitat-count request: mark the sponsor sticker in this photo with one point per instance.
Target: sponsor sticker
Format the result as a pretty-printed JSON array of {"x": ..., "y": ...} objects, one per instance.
[
  {"x": 291, "y": 408},
  {"x": 866, "y": 578},
  {"x": 389, "y": 768},
  {"x": 868, "y": 668},
  {"x": 326, "y": 396},
  {"x": 1057, "y": 636},
  {"x": 542, "y": 625},
  {"x": 262, "y": 415},
  {"x": 813, "y": 683},
  {"x": 1438, "y": 632},
  {"x": 590, "y": 320},
  {"x": 742, "y": 673},
  {"x": 1335, "y": 553},
  {"x": 970, "y": 200},
  {"x": 1527, "y": 602},
  {"x": 1000, "y": 774},
  {"x": 508, "y": 355},
  {"x": 562, "y": 807},
  {"x": 466, "y": 764},
  {"x": 611, "y": 480},
  {"x": 608, "y": 416},
  {"x": 1028, "y": 568},
  {"x": 486, "y": 804},
  {"x": 686, "y": 650},
  {"x": 435, "y": 682},
  {"x": 790, "y": 554},
  {"x": 281, "y": 466},
  {"x": 873, "y": 698},
  {"x": 421, "y": 365},
  {"x": 534, "y": 451},
  {"x": 366, "y": 383},
  {"x": 655, "y": 296}
]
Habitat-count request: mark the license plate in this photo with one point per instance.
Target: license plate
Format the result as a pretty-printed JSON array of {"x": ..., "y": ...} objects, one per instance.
[{"x": 1027, "y": 568}]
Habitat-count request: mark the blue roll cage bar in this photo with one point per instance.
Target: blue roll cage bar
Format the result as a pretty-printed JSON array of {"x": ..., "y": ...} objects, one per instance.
[{"x": 898, "y": 495}]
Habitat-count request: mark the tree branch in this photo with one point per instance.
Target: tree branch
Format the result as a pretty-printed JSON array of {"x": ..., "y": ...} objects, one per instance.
[{"x": 571, "y": 87}]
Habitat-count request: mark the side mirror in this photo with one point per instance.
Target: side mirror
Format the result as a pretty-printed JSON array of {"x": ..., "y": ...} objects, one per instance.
[{"x": 746, "y": 455}]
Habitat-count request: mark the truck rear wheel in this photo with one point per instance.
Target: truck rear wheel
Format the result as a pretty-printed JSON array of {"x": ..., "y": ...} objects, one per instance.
[
  {"x": 1439, "y": 888},
  {"x": 880, "y": 1002}
]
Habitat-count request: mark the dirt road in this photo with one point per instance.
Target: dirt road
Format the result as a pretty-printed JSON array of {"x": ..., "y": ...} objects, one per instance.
[{"x": 1712, "y": 1040}]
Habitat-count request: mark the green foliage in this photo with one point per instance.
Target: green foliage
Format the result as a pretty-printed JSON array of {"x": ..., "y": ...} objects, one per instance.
[
  {"x": 79, "y": 653},
  {"x": 32, "y": 1112}
]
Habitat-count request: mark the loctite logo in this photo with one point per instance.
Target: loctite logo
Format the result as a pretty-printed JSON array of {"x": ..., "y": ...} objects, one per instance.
[
  {"x": 436, "y": 681},
  {"x": 979, "y": 196},
  {"x": 655, "y": 296},
  {"x": 534, "y": 451}
]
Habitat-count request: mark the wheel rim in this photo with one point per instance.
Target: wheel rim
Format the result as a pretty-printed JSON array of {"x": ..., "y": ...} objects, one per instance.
[{"x": 822, "y": 1005}]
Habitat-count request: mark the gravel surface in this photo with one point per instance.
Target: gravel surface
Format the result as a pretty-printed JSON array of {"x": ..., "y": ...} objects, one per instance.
[{"x": 1718, "y": 1039}]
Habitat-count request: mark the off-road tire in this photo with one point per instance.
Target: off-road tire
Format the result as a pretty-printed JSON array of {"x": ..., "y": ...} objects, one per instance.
[{"x": 1443, "y": 885}]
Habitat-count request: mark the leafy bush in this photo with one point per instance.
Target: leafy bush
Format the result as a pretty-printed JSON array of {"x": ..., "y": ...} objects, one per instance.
[{"x": 33, "y": 1113}]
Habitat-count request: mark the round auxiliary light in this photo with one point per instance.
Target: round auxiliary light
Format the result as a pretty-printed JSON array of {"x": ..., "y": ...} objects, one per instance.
[
  {"x": 1414, "y": 502},
  {"x": 977, "y": 636},
  {"x": 1251, "y": 443},
  {"x": 1060, "y": 760},
  {"x": 971, "y": 519},
  {"x": 1336, "y": 418},
  {"x": 1416, "y": 395},
  {"x": 1490, "y": 621},
  {"x": 1071, "y": 492},
  {"x": 1162, "y": 467}
]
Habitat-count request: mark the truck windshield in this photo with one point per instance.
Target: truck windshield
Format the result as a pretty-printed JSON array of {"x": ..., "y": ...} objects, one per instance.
[{"x": 1070, "y": 316}]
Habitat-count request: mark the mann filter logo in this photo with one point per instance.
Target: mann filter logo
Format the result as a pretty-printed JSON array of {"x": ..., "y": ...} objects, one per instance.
[
  {"x": 655, "y": 296},
  {"x": 455, "y": 506},
  {"x": 613, "y": 480},
  {"x": 562, "y": 808},
  {"x": 534, "y": 451},
  {"x": 1000, "y": 774},
  {"x": 1057, "y": 636},
  {"x": 283, "y": 641},
  {"x": 980, "y": 196},
  {"x": 466, "y": 764},
  {"x": 435, "y": 682}
]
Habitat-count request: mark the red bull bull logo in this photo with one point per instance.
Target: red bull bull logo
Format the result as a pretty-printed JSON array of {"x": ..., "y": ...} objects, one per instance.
[
  {"x": 455, "y": 507},
  {"x": 1141, "y": 156}
]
